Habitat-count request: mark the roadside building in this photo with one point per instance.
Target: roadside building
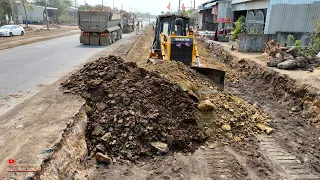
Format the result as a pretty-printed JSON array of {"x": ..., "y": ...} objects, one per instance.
[
  {"x": 274, "y": 16},
  {"x": 254, "y": 12},
  {"x": 215, "y": 14},
  {"x": 276, "y": 19},
  {"x": 36, "y": 14},
  {"x": 72, "y": 11}
]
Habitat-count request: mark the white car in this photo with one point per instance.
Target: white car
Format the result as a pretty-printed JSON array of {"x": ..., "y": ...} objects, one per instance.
[{"x": 11, "y": 30}]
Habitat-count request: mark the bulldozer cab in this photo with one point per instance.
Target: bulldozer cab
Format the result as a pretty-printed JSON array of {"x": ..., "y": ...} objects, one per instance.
[
  {"x": 175, "y": 41},
  {"x": 166, "y": 24}
]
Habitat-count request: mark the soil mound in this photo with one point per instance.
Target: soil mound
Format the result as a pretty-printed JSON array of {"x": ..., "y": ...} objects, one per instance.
[
  {"x": 133, "y": 112},
  {"x": 100, "y": 8}
]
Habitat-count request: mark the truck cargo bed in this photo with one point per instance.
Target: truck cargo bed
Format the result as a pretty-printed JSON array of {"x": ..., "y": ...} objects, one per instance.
[{"x": 97, "y": 21}]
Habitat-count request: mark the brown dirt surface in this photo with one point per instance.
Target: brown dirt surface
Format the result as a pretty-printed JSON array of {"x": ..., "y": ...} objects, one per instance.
[
  {"x": 36, "y": 35},
  {"x": 228, "y": 109},
  {"x": 100, "y": 8},
  {"x": 129, "y": 108},
  {"x": 293, "y": 107}
]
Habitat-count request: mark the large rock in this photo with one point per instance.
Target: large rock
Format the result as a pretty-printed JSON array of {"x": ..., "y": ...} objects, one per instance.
[
  {"x": 208, "y": 132},
  {"x": 206, "y": 105},
  {"x": 103, "y": 159},
  {"x": 288, "y": 65},
  {"x": 160, "y": 146},
  {"x": 97, "y": 130},
  {"x": 288, "y": 57},
  {"x": 226, "y": 127},
  {"x": 294, "y": 51},
  {"x": 106, "y": 137},
  {"x": 274, "y": 62},
  {"x": 266, "y": 129},
  {"x": 279, "y": 56},
  {"x": 301, "y": 62}
]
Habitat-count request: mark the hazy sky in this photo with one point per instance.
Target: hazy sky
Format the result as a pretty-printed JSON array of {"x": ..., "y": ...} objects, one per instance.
[{"x": 153, "y": 6}]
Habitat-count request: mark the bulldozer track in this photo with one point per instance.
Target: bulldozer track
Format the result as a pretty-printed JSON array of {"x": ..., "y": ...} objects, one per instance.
[
  {"x": 219, "y": 164},
  {"x": 288, "y": 166}
]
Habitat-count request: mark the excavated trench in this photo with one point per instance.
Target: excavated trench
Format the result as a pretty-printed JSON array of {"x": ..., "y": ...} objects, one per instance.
[
  {"x": 291, "y": 151},
  {"x": 294, "y": 108}
]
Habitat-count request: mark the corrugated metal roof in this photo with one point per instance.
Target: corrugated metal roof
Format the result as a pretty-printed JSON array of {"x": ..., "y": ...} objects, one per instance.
[
  {"x": 250, "y": 5},
  {"x": 273, "y": 3},
  {"x": 208, "y": 6},
  {"x": 239, "y": 1},
  {"x": 294, "y": 18}
]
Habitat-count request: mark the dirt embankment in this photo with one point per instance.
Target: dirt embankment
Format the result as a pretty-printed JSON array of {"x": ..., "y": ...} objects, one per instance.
[
  {"x": 36, "y": 36},
  {"x": 131, "y": 110},
  {"x": 293, "y": 106},
  {"x": 228, "y": 110},
  {"x": 303, "y": 97}
]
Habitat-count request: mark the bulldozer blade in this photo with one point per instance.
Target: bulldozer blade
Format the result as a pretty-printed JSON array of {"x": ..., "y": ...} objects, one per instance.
[
  {"x": 153, "y": 60},
  {"x": 216, "y": 75}
]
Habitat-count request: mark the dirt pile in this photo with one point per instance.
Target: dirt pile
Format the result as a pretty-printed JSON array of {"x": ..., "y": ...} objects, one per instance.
[
  {"x": 225, "y": 110},
  {"x": 133, "y": 112},
  {"x": 289, "y": 59},
  {"x": 100, "y": 8},
  {"x": 28, "y": 28},
  {"x": 231, "y": 117}
]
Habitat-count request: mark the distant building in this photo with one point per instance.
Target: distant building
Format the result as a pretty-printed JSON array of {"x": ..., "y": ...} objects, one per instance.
[
  {"x": 72, "y": 11},
  {"x": 274, "y": 16},
  {"x": 261, "y": 16},
  {"x": 36, "y": 14},
  {"x": 215, "y": 14}
]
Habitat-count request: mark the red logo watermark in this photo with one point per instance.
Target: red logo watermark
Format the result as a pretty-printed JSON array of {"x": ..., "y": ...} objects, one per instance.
[{"x": 11, "y": 161}]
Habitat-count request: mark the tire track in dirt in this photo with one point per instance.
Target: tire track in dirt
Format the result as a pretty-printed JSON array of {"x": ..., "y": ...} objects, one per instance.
[{"x": 289, "y": 166}]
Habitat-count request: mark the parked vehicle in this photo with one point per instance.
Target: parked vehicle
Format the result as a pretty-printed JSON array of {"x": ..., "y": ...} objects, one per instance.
[
  {"x": 100, "y": 27},
  {"x": 11, "y": 30}
]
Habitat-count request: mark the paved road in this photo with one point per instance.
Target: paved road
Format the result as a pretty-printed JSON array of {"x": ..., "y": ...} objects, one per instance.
[{"x": 24, "y": 68}]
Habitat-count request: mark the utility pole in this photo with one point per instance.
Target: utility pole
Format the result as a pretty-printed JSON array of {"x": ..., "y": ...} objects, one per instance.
[
  {"x": 194, "y": 4},
  {"x": 12, "y": 12},
  {"x": 85, "y": 5},
  {"x": 102, "y": 3},
  {"x": 46, "y": 9},
  {"x": 179, "y": 12},
  {"x": 113, "y": 4}
]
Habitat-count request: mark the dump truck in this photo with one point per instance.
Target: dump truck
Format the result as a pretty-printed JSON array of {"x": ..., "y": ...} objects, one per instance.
[
  {"x": 128, "y": 21},
  {"x": 100, "y": 27}
]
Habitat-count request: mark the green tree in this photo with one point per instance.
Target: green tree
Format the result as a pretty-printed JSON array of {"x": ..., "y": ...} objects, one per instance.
[
  {"x": 4, "y": 9},
  {"x": 84, "y": 7},
  {"x": 315, "y": 44},
  {"x": 240, "y": 27},
  {"x": 24, "y": 4}
]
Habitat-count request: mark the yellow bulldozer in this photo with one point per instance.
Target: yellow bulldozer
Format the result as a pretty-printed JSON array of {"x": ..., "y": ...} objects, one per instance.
[{"x": 175, "y": 41}]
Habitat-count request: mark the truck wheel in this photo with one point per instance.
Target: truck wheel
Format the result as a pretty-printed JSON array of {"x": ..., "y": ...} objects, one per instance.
[
  {"x": 118, "y": 35},
  {"x": 112, "y": 37}
]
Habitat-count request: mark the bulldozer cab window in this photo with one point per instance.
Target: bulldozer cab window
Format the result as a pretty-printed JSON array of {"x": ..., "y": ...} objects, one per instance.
[
  {"x": 182, "y": 30},
  {"x": 179, "y": 30},
  {"x": 165, "y": 28}
]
